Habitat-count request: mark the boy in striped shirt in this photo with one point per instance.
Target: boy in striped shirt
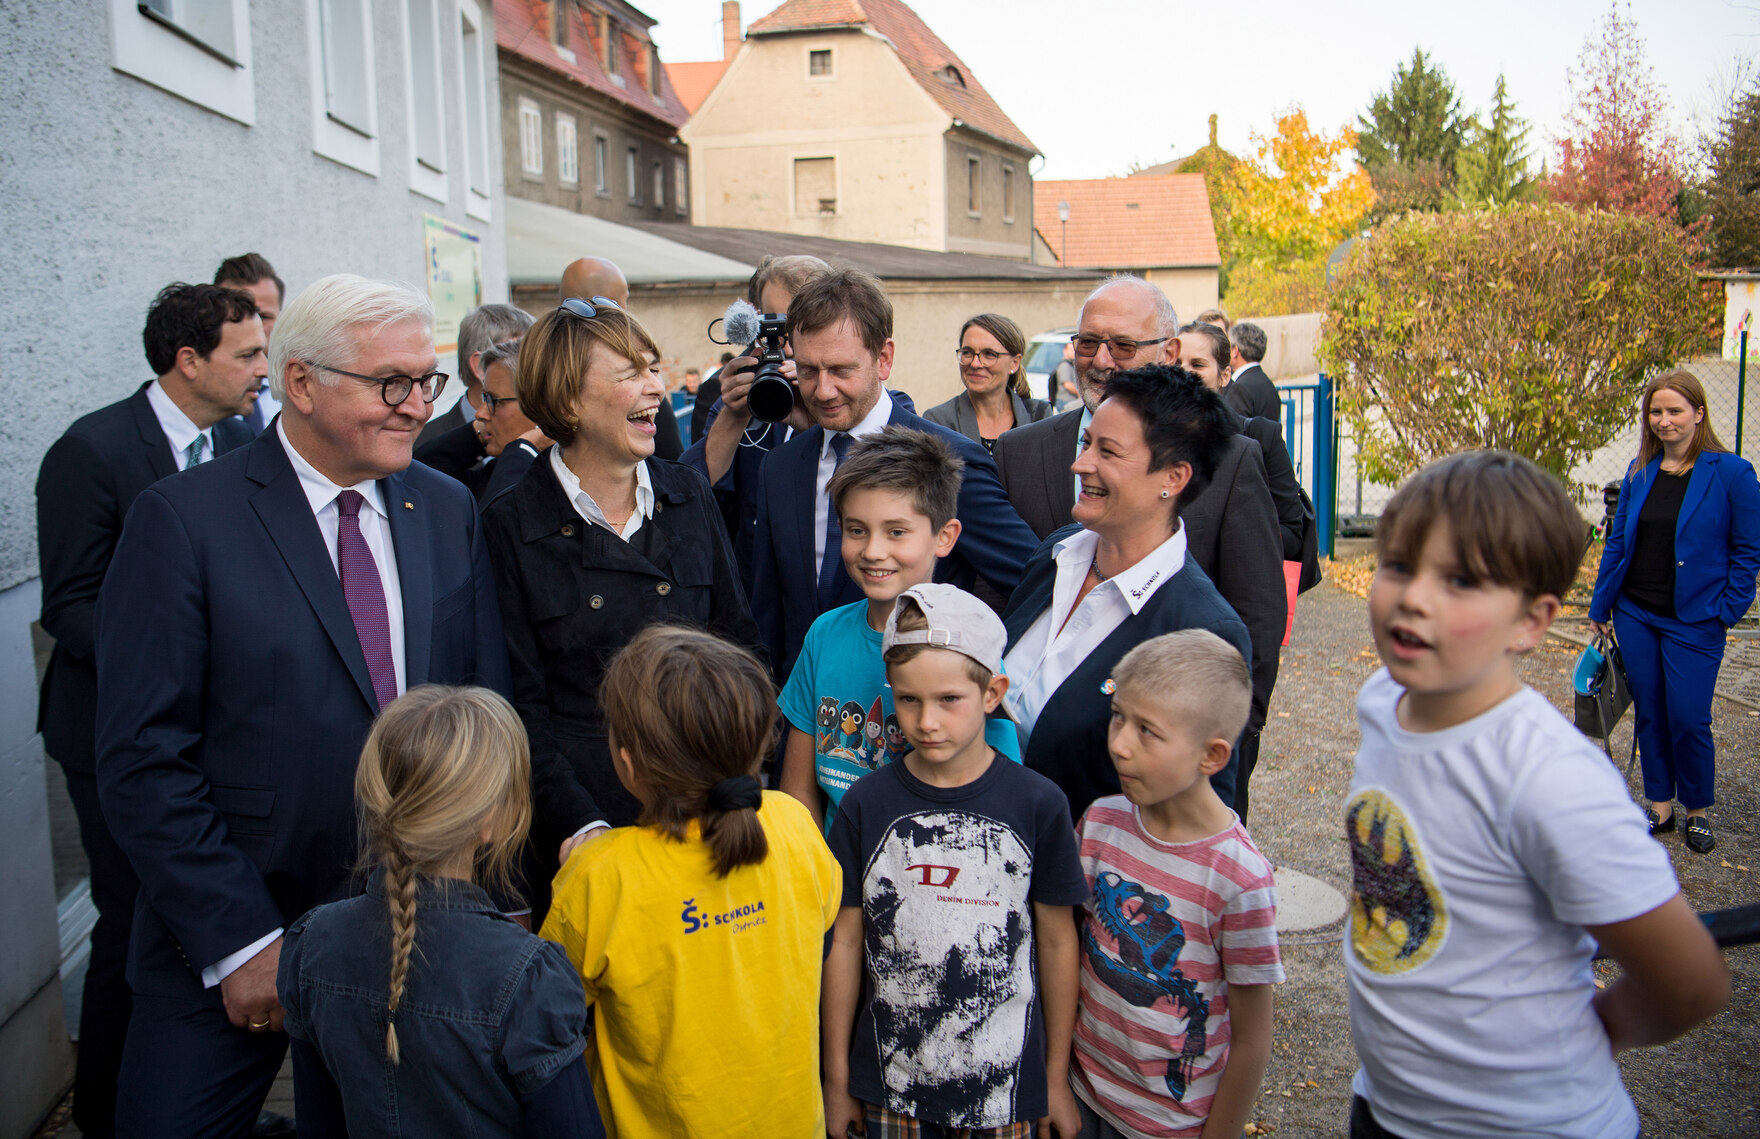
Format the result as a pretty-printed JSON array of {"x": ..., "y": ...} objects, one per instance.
[{"x": 1178, "y": 942}]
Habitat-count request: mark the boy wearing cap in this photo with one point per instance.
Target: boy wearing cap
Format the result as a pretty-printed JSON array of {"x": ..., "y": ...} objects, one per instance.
[{"x": 960, "y": 878}]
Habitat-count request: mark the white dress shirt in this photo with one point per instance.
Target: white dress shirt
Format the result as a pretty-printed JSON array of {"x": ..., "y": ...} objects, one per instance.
[
  {"x": 872, "y": 424},
  {"x": 180, "y": 430},
  {"x": 589, "y": 510},
  {"x": 1052, "y": 648},
  {"x": 376, "y": 530}
]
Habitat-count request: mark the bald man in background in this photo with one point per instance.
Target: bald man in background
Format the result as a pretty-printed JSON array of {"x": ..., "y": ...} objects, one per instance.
[{"x": 589, "y": 277}]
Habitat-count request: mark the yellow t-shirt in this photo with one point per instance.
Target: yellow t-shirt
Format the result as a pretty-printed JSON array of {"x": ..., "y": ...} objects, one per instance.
[{"x": 707, "y": 988}]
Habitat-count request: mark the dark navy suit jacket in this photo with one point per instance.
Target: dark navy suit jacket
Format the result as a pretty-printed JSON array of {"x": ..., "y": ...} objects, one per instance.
[
  {"x": 234, "y": 696},
  {"x": 993, "y": 543},
  {"x": 1068, "y": 743},
  {"x": 89, "y": 479},
  {"x": 1716, "y": 540}
]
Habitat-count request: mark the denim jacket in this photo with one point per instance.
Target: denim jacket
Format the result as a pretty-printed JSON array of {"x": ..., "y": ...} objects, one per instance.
[{"x": 489, "y": 1012}]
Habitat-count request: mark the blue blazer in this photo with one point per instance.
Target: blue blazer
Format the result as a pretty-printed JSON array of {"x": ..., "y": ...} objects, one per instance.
[
  {"x": 1716, "y": 540},
  {"x": 993, "y": 543},
  {"x": 234, "y": 697},
  {"x": 1068, "y": 744}
]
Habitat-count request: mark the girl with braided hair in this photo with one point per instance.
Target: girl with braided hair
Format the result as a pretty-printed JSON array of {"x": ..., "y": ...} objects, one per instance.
[
  {"x": 419, "y": 1008},
  {"x": 699, "y": 931}
]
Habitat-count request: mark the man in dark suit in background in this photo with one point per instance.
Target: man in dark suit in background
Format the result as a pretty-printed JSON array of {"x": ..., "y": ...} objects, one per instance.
[
  {"x": 251, "y": 273},
  {"x": 1232, "y": 529},
  {"x": 840, "y": 324},
  {"x": 1251, "y": 391},
  {"x": 227, "y": 743},
  {"x": 206, "y": 344}
]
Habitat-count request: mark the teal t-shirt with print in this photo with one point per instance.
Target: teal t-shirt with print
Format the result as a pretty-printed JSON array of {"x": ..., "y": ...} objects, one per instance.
[{"x": 838, "y": 694}]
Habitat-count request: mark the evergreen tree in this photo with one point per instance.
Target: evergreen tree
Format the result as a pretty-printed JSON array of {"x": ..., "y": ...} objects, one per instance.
[
  {"x": 1491, "y": 168},
  {"x": 1732, "y": 192},
  {"x": 1409, "y": 137}
]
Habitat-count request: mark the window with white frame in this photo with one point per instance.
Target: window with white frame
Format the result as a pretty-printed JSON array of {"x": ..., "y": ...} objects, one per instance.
[
  {"x": 655, "y": 84},
  {"x": 602, "y": 163},
  {"x": 568, "y": 162},
  {"x": 345, "y": 116},
  {"x": 531, "y": 138},
  {"x": 1007, "y": 192},
  {"x": 613, "y": 50},
  {"x": 476, "y": 108},
  {"x": 199, "y": 50},
  {"x": 632, "y": 174},
  {"x": 974, "y": 185},
  {"x": 427, "y": 113},
  {"x": 819, "y": 63},
  {"x": 659, "y": 185},
  {"x": 680, "y": 186},
  {"x": 559, "y": 22}
]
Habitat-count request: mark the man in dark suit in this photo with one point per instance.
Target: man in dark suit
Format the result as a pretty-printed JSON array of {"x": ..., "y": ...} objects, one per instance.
[
  {"x": 1232, "y": 529},
  {"x": 1251, "y": 391},
  {"x": 206, "y": 344},
  {"x": 251, "y": 273},
  {"x": 226, "y": 742},
  {"x": 840, "y": 324}
]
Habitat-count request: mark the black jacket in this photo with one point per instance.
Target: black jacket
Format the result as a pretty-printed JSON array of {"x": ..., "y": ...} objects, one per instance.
[
  {"x": 572, "y": 594},
  {"x": 89, "y": 479},
  {"x": 1253, "y": 394}
]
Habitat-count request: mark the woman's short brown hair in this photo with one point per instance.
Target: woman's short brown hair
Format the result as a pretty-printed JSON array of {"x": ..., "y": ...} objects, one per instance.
[
  {"x": 1510, "y": 522},
  {"x": 554, "y": 356},
  {"x": 692, "y": 710}
]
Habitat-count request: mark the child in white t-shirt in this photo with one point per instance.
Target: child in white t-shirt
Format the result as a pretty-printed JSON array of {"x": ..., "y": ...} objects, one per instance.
[{"x": 1492, "y": 846}]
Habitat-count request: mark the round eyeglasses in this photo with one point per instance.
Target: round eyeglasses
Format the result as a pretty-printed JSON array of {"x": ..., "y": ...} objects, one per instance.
[{"x": 395, "y": 389}]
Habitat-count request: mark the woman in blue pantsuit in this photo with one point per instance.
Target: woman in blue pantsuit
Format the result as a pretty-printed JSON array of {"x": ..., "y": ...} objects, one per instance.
[{"x": 1677, "y": 571}]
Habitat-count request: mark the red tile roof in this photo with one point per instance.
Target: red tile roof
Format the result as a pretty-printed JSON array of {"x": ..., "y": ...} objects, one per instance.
[
  {"x": 522, "y": 27},
  {"x": 1129, "y": 223},
  {"x": 694, "y": 81},
  {"x": 928, "y": 59}
]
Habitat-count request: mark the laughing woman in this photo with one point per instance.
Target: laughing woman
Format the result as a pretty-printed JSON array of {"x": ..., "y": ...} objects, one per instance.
[
  {"x": 1677, "y": 571},
  {"x": 598, "y": 541}
]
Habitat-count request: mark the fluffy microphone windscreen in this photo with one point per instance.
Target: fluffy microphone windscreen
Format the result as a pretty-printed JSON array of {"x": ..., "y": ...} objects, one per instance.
[{"x": 740, "y": 323}]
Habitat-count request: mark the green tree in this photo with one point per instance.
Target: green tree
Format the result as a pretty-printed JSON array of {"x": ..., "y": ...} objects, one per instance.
[
  {"x": 1529, "y": 328},
  {"x": 1731, "y": 193},
  {"x": 1408, "y": 138},
  {"x": 1491, "y": 168}
]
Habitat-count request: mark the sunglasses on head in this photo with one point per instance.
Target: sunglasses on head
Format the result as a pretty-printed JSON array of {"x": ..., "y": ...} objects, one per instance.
[{"x": 577, "y": 307}]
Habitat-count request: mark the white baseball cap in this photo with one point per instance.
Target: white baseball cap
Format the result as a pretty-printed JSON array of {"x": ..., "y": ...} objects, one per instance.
[{"x": 957, "y": 621}]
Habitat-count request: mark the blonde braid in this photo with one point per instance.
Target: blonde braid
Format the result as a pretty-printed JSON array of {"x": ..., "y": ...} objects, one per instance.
[{"x": 400, "y": 893}]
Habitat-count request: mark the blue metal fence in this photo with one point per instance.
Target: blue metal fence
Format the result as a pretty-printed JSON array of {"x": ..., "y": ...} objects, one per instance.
[{"x": 1310, "y": 433}]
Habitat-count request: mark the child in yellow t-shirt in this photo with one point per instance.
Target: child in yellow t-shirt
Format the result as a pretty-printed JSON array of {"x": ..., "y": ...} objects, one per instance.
[{"x": 699, "y": 932}]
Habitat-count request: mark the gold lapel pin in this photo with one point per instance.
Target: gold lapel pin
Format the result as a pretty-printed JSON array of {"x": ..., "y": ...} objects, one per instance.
[{"x": 409, "y": 506}]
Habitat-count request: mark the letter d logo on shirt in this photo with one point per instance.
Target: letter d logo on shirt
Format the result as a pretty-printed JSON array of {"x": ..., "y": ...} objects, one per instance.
[{"x": 941, "y": 877}]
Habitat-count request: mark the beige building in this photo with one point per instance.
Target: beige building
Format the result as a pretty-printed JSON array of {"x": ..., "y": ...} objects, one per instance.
[
  {"x": 850, "y": 119},
  {"x": 1158, "y": 228}
]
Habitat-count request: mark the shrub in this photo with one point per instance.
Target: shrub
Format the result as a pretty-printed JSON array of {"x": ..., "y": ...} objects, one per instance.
[{"x": 1529, "y": 328}]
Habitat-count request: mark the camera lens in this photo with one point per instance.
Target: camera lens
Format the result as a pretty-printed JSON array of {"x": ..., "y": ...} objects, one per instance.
[{"x": 772, "y": 396}]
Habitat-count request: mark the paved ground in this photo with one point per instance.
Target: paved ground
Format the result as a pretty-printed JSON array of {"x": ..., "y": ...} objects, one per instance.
[{"x": 1707, "y": 1084}]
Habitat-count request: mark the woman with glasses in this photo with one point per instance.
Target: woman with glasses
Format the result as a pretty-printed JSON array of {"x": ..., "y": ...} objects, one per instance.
[
  {"x": 599, "y": 540},
  {"x": 995, "y": 400}
]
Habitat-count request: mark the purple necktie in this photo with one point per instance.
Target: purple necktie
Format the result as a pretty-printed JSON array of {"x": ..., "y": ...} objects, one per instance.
[{"x": 365, "y": 594}]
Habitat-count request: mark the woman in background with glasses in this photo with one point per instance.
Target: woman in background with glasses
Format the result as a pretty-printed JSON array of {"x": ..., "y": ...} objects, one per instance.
[
  {"x": 599, "y": 540},
  {"x": 995, "y": 400}
]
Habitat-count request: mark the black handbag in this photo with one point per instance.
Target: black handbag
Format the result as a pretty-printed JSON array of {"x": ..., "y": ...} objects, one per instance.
[{"x": 1603, "y": 696}]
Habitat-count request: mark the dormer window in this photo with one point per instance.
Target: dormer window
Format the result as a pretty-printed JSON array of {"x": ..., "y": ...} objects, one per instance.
[
  {"x": 951, "y": 74},
  {"x": 559, "y": 22}
]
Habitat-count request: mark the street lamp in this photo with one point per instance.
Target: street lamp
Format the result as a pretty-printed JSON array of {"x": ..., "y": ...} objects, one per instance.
[{"x": 1063, "y": 241}]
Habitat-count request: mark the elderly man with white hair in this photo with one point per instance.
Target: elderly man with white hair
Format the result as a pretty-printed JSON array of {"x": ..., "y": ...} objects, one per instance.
[{"x": 260, "y": 610}]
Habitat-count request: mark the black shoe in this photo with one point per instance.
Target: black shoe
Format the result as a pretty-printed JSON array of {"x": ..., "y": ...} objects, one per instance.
[
  {"x": 1699, "y": 837},
  {"x": 1659, "y": 825},
  {"x": 273, "y": 1123}
]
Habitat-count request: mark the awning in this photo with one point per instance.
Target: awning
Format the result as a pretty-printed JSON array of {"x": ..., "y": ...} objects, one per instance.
[{"x": 542, "y": 240}]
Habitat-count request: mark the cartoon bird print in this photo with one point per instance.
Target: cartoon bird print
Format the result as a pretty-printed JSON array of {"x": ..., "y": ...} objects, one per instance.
[
  {"x": 851, "y": 721},
  {"x": 895, "y": 741},
  {"x": 873, "y": 751},
  {"x": 1398, "y": 915},
  {"x": 827, "y": 720}
]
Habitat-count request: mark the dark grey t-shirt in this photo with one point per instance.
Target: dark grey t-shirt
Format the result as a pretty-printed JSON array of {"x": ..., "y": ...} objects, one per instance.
[{"x": 951, "y": 1031}]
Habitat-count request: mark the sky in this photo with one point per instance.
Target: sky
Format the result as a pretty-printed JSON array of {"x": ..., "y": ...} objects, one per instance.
[{"x": 1103, "y": 84}]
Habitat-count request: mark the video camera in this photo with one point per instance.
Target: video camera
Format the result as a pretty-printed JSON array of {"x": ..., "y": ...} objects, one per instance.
[{"x": 772, "y": 394}]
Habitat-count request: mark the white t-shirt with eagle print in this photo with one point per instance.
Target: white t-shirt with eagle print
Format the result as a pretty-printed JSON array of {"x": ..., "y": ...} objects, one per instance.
[{"x": 1478, "y": 854}]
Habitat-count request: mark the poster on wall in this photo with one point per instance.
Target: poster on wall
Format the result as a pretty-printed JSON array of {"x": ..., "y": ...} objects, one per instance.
[{"x": 455, "y": 277}]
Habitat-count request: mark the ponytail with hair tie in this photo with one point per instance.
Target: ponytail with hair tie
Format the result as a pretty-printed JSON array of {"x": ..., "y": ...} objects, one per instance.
[{"x": 740, "y": 793}]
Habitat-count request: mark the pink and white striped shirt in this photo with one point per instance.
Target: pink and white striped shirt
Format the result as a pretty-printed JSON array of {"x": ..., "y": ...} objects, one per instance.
[{"x": 1169, "y": 927}]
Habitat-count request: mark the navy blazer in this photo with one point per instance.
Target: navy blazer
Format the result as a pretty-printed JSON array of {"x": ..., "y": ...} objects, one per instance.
[
  {"x": 89, "y": 479},
  {"x": 993, "y": 542},
  {"x": 234, "y": 695},
  {"x": 1716, "y": 540},
  {"x": 1068, "y": 743}
]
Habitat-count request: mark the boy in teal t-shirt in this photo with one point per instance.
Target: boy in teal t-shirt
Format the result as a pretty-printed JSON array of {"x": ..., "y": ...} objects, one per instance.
[{"x": 895, "y": 494}]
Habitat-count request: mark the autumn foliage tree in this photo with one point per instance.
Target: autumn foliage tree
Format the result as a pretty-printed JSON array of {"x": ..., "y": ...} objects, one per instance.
[
  {"x": 1529, "y": 329},
  {"x": 1617, "y": 153}
]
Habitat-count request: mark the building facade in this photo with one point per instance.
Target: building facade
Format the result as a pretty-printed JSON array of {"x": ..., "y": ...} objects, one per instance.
[
  {"x": 850, "y": 119},
  {"x": 589, "y": 117},
  {"x": 144, "y": 143}
]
